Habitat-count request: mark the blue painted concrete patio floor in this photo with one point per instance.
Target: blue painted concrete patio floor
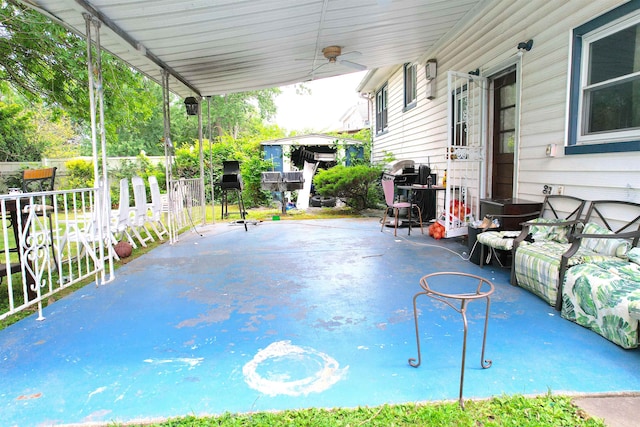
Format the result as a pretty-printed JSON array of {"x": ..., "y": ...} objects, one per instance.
[{"x": 288, "y": 314}]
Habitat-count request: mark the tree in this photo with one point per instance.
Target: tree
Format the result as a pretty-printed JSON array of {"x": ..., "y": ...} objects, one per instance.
[
  {"x": 16, "y": 127},
  {"x": 55, "y": 134},
  {"x": 235, "y": 115},
  {"x": 47, "y": 64}
]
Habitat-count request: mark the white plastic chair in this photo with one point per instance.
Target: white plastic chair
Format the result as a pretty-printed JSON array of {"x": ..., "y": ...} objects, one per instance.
[
  {"x": 139, "y": 217},
  {"x": 121, "y": 218},
  {"x": 88, "y": 233},
  {"x": 156, "y": 208}
]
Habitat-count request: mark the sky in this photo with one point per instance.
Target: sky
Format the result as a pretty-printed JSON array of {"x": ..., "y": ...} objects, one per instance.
[{"x": 330, "y": 98}]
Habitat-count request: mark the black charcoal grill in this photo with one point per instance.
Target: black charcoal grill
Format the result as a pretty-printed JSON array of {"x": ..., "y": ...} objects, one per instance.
[
  {"x": 271, "y": 181},
  {"x": 293, "y": 180},
  {"x": 407, "y": 177},
  {"x": 231, "y": 180},
  {"x": 281, "y": 182}
]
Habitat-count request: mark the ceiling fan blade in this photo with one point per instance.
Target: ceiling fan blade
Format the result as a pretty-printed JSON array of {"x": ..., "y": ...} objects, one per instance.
[
  {"x": 354, "y": 65},
  {"x": 349, "y": 55},
  {"x": 318, "y": 67}
]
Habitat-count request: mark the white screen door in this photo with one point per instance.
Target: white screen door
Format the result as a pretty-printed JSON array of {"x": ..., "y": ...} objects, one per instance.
[{"x": 467, "y": 112}]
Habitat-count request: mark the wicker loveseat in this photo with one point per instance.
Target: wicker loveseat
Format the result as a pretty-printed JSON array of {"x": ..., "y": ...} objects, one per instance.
[{"x": 541, "y": 263}]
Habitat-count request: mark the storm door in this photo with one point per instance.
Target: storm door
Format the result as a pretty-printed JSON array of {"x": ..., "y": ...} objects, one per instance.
[{"x": 466, "y": 169}]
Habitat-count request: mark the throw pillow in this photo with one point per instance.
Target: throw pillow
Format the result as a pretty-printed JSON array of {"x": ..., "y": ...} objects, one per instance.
[
  {"x": 634, "y": 255},
  {"x": 609, "y": 247},
  {"x": 541, "y": 232}
]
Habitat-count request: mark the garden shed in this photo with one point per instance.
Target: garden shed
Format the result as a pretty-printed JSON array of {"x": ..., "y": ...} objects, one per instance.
[{"x": 327, "y": 150}]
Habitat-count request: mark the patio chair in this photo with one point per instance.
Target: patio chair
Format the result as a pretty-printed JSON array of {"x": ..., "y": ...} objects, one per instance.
[
  {"x": 87, "y": 232},
  {"x": 38, "y": 181},
  {"x": 389, "y": 196},
  {"x": 140, "y": 217},
  {"x": 121, "y": 218},
  {"x": 156, "y": 209},
  {"x": 552, "y": 209},
  {"x": 500, "y": 238}
]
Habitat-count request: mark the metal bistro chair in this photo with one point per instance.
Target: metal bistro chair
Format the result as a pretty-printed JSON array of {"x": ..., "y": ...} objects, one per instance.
[
  {"x": 41, "y": 180},
  {"x": 389, "y": 194}
]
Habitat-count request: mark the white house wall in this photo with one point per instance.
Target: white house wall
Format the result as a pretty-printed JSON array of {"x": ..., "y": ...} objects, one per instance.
[{"x": 420, "y": 134}]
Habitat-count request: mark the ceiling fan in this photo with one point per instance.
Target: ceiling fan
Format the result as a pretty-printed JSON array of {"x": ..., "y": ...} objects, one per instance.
[{"x": 334, "y": 55}]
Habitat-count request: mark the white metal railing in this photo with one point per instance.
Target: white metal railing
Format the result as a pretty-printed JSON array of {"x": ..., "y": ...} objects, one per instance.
[
  {"x": 51, "y": 241},
  {"x": 184, "y": 204}
]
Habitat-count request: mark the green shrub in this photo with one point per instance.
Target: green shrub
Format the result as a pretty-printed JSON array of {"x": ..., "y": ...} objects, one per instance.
[
  {"x": 79, "y": 174},
  {"x": 355, "y": 185},
  {"x": 251, "y": 170}
]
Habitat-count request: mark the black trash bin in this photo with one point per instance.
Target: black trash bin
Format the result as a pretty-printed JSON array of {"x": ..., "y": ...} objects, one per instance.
[{"x": 474, "y": 252}]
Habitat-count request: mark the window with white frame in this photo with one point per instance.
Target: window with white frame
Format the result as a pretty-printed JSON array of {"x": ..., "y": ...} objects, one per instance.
[
  {"x": 410, "y": 91},
  {"x": 381, "y": 109},
  {"x": 605, "y": 83}
]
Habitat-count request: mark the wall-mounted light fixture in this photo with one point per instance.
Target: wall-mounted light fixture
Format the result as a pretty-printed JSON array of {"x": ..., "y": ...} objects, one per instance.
[
  {"x": 431, "y": 69},
  {"x": 431, "y": 72},
  {"x": 551, "y": 150},
  {"x": 525, "y": 46},
  {"x": 191, "y": 104}
]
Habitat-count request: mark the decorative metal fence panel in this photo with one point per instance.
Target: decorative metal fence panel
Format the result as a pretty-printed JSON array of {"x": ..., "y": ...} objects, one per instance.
[
  {"x": 54, "y": 240},
  {"x": 51, "y": 241}
]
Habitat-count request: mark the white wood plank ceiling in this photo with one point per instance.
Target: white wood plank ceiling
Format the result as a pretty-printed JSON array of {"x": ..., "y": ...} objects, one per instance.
[{"x": 213, "y": 47}]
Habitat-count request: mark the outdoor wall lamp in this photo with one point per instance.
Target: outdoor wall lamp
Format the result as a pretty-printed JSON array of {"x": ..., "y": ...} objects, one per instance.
[
  {"x": 525, "y": 46},
  {"x": 191, "y": 105}
]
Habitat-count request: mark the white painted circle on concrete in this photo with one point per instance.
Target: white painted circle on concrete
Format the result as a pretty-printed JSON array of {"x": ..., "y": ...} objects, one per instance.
[{"x": 284, "y": 368}]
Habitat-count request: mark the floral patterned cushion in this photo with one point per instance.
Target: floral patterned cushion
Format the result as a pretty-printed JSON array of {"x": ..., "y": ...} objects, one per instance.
[
  {"x": 537, "y": 266},
  {"x": 604, "y": 298}
]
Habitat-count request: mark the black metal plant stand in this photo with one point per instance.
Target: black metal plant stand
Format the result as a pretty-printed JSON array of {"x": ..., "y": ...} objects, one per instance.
[{"x": 483, "y": 290}]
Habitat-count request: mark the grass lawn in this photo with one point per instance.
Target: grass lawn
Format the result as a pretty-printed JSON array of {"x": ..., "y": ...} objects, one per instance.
[{"x": 515, "y": 410}]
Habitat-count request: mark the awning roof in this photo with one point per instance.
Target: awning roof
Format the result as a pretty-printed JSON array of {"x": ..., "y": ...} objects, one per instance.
[{"x": 213, "y": 47}]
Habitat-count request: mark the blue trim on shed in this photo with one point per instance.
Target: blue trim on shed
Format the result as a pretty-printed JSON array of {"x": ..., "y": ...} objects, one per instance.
[
  {"x": 274, "y": 153},
  {"x": 353, "y": 153}
]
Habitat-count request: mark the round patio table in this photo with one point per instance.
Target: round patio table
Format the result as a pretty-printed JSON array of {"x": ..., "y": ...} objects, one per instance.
[{"x": 473, "y": 288}]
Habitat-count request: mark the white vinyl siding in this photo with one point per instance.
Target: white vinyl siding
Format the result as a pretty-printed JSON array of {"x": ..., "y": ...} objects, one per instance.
[{"x": 490, "y": 39}]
